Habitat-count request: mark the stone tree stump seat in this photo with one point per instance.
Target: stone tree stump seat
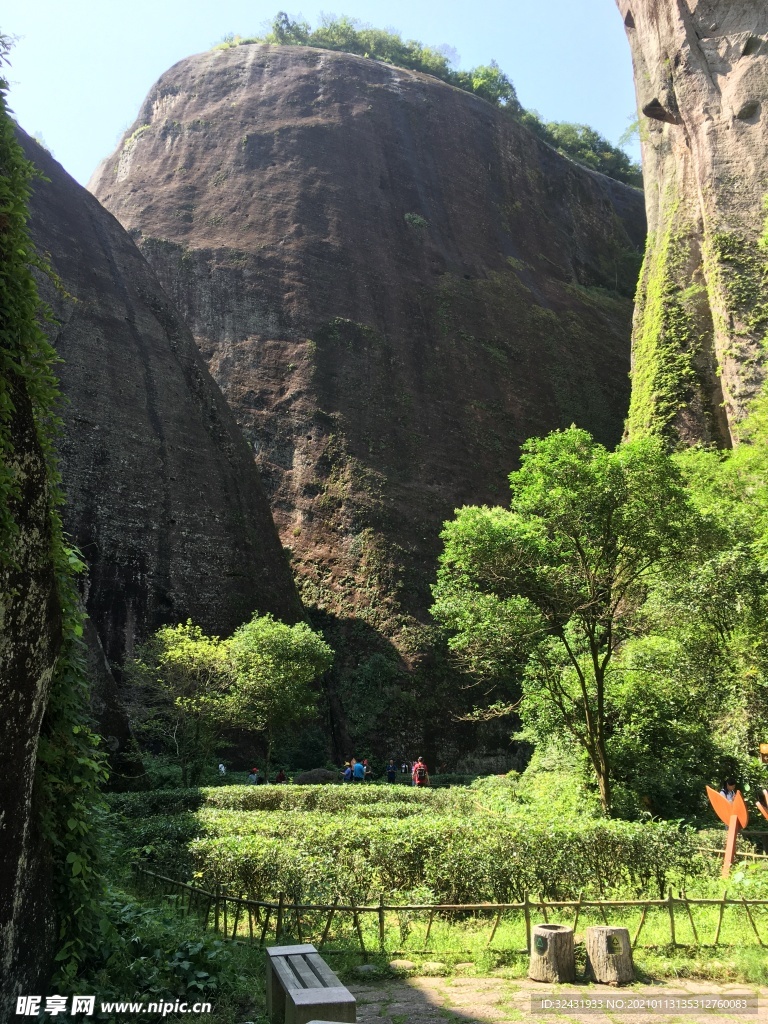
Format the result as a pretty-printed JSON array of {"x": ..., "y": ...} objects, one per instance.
[
  {"x": 552, "y": 955},
  {"x": 609, "y": 955},
  {"x": 301, "y": 988}
]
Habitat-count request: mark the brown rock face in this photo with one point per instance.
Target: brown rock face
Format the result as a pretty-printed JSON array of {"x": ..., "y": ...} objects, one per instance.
[
  {"x": 162, "y": 495},
  {"x": 701, "y": 75},
  {"x": 394, "y": 285},
  {"x": 30, "y": 637}
]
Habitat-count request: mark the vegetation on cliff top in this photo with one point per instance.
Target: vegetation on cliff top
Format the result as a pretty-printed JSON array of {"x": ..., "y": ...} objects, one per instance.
[{"x": 577, "y": 141}]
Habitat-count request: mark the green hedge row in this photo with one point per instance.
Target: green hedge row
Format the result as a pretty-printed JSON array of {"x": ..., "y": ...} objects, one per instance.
[
  {"x": 459, "y": 860},
  {"x": 330, "y": 799}
]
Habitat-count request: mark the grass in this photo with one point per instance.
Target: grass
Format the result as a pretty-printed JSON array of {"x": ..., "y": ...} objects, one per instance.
[
  {"x": 476, "y": 938},
  {"x": 161, "y": 948}
]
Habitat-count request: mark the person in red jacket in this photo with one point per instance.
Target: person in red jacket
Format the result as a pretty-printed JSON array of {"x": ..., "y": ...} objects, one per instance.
[{"x": 419, "y": 773}]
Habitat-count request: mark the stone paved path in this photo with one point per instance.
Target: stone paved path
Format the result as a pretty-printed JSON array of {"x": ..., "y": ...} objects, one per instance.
[{"x": 498, "y": 1001}]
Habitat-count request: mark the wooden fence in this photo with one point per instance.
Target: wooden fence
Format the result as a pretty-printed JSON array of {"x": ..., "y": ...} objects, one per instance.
[{"x": 240, "y": 917}]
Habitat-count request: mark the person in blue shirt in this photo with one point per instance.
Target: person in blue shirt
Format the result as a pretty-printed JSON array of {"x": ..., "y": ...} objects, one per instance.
[
  {"x": 391, "y": 770},
  {"x": 358, "y": 771}
]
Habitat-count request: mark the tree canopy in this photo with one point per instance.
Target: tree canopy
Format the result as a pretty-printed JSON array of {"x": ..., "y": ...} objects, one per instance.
[
  {"x": 554, "y": 585},
  {"x": 187, "y": 688},
  {"x": 273, "y": 667}
]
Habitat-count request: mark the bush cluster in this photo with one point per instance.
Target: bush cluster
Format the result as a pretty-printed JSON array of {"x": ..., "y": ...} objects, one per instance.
[
  {"x": 331, "y": 799},
  {"x": 578, "y": 141},
  {"x": 459, "y": 860},
  {"x": 316, "y": 856}
]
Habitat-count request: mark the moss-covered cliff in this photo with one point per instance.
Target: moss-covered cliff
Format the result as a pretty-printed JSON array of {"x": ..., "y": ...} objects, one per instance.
[{"x": 701, "y": 75}]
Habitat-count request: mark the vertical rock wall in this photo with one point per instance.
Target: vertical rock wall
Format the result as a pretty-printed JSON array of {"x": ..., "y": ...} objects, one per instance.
[
  {"x": 162, "y": 496},
  {"x": 701, "y": 76},
  {"x": 394, "y": 284},
  {"x": 30, "y": 635}
]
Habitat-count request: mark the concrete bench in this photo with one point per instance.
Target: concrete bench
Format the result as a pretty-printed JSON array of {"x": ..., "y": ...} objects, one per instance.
[{"x": 301, "y": 988}]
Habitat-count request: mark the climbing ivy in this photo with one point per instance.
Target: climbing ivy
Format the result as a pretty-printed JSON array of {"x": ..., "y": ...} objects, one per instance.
[{"x": 70, "y": 767}]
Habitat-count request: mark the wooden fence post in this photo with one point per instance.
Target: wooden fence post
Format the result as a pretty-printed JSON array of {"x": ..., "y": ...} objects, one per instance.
[
  {"x": 690, "y": 918},
  {"x": 429, "y": 927},
  {"x": 671, "y": 907},
  {"x": 265, "y": 925},
  {"x": 751, "y": 921},
  {"x": 381, "y": 922},
  {"x": 578, "y": 911},
  {"x": 493, "y": 930},
  {"x": 356, "y": 919},
  {"x": 527, "y": 913},
  {"x": 640, "y": 926},
  {"x": 328, "y": 922},
  {"x": 720, "y": 918},
  {"x": 279, "y": 924}
]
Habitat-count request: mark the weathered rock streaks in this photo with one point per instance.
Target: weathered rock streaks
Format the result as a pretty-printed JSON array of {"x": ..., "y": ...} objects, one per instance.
[
  {"x": 162, "y": 495},
  {"x": 394, "y": 285},
  {"x": 701, "y": 76}
]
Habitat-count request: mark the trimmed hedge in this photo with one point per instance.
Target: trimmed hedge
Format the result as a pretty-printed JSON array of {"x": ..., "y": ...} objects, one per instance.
[
  {"x": 157, "y": 801},
  {"x": 330, "y": 799},
  {"x": 459, "y": 860}
]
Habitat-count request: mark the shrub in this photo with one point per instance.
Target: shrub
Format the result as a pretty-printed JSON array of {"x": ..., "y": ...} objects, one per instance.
[{"x": 459, "y": 859}]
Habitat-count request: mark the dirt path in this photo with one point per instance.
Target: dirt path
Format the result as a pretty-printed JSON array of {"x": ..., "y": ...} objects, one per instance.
[{"x": 498, "y": 1001}]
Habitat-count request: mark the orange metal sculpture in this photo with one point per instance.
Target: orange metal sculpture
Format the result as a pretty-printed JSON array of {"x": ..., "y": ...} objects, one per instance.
[
  {"x": 732, "y": 813},
  {"x": 762, "y": 805}
]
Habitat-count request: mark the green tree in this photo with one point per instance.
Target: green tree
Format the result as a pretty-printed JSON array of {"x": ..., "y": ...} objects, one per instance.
[
  {"x": 558, "y": 580},
  {"x": 179, "y": 685},
  {"x": 287, "y": 32},
  {"x": 490, "y": 82},
  {"x": 586, "y": 146},
  {"x": 273, "y": 667}
]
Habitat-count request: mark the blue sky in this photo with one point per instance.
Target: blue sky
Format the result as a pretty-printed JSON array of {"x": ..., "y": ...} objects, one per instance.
[{"x": 81, "y": 69}]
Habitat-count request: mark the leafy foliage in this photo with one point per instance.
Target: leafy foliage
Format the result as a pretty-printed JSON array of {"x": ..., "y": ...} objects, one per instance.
[
  {"x": 314, "y": 856},
  {"x": 556, "y": 583},
  {"x": 187, "y": 687},
  {"x": 273, "y": 666},
  {"x": 179, "y": 693},
  {"x": 586, "y": 146},
  {"x": 351, "y": 36}
]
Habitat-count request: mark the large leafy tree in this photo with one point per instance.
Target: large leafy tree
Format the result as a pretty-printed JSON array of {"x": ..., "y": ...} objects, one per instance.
[
  {"x": 554, "y": 585},
  {"x": 187, "y": 688},
  {"x": 178, "y": 695},
  {"x": 273, "y": 667}
]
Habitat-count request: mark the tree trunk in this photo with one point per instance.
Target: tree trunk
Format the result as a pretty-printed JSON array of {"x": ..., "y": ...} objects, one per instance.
[
  {"x": 609, "y": 955},
  {"x": 552, "y": 957}
]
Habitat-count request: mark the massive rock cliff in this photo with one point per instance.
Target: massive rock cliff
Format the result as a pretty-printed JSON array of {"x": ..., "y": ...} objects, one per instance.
[
  {"x": 162, "y": 496},
  {"x": 30, "y": 639},
  {"x": 701, "y": 75},
  {"x": 394, "y": 284}
]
